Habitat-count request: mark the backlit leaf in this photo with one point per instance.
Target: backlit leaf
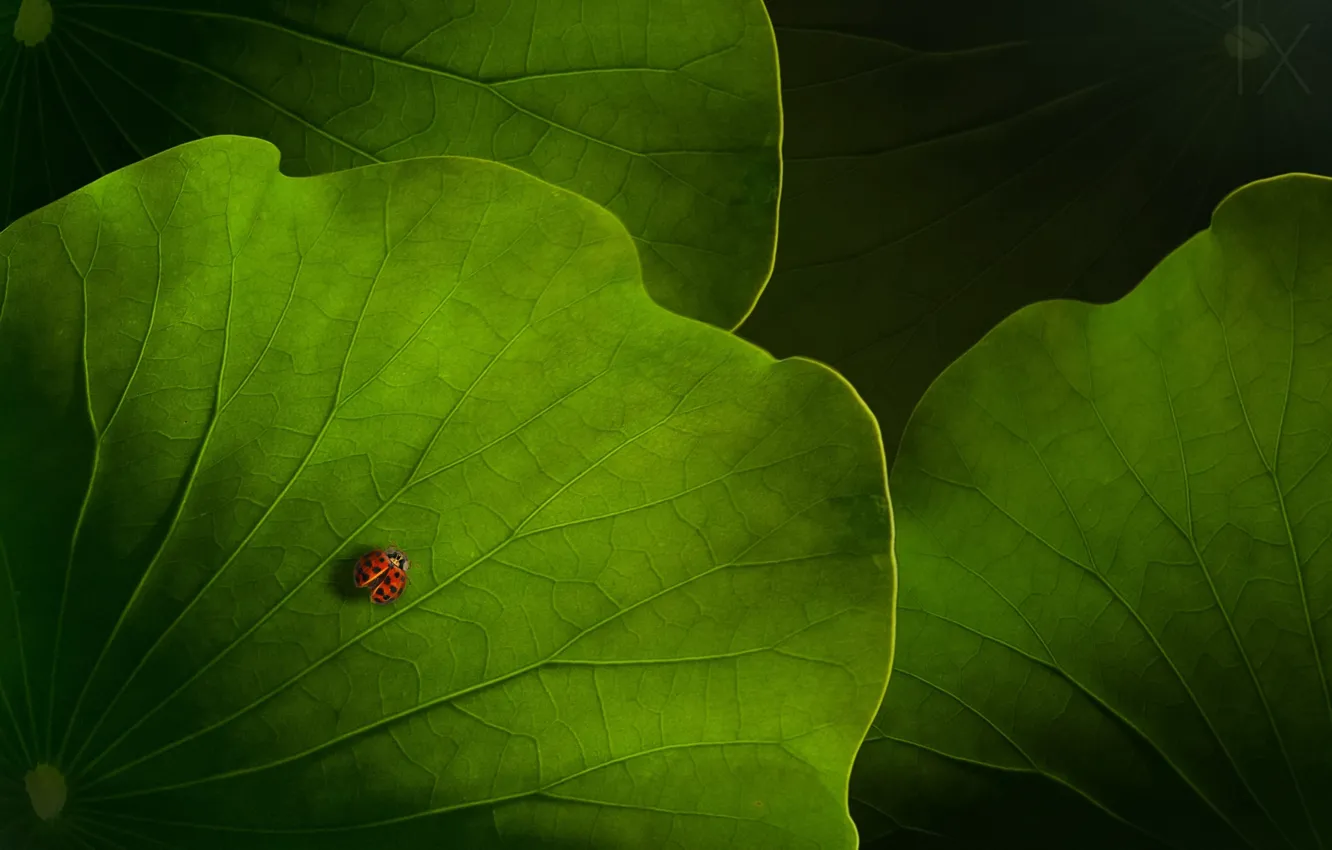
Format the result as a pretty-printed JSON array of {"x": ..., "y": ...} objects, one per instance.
[
  {"x": 1116, "y": 606},
  {"x": 651, "y": 597},
  {"x": 665, "y": 113}
]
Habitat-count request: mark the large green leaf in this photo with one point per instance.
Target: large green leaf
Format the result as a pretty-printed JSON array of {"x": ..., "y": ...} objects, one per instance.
[
  {"x": 665, "y": 113},
  {"x": 950, "y": 161},
  {"x": 1116, "y": 599},
  {"x": 651, "y": 601}
]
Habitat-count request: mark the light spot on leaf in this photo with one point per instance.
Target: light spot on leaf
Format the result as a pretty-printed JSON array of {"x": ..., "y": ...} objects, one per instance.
[
  {"x": 47, "y": 790},
  {"x": 33, "y": 23},
  {"x": 1245, "y": 44}
]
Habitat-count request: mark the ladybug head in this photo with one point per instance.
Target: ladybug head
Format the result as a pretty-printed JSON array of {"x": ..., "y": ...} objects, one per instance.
[{"x": 398, "y": 556}]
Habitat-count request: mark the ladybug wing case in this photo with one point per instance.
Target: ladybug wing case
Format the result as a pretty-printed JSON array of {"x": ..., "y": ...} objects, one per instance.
[
  {"x": 395, "y": 579},
  {"x": 370, "y": 567}
]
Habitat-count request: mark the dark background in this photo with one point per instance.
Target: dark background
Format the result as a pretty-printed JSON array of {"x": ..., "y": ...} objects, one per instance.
[{"x": 948, "y": 162}]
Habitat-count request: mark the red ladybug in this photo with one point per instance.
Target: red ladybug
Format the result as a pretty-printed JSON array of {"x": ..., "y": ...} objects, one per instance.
[{"x": 387, "y": 570}]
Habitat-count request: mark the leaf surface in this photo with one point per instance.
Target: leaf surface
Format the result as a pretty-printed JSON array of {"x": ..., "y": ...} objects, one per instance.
[
  {"x": 651, "y": 595},
  {"x": 1116, "y": 581},
  {"x": 665, "y": 113}
]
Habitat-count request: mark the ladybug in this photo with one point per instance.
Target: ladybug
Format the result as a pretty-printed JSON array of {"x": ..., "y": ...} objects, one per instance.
[{"x": 386, "y": 569}]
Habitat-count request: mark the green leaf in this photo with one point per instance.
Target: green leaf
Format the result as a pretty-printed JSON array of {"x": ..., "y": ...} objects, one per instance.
[
  {"x": 1113, "y": 534},
  {"x": 948, "y": 162},
  {"x": 651, "y": 601},
  {"x": 666, "y": 114}
]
